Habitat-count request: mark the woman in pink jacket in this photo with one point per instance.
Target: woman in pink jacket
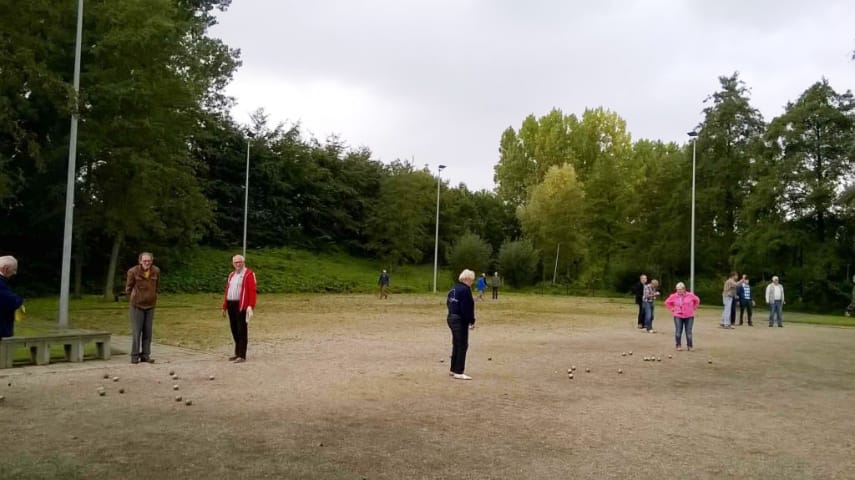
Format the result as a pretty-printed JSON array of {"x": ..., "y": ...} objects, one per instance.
[{"x": 683, "y": 305}]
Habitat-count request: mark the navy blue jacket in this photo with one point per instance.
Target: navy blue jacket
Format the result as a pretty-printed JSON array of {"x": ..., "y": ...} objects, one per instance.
[
  {"x": 9, "y": 302},
  {"x": 461, "y": 303}
]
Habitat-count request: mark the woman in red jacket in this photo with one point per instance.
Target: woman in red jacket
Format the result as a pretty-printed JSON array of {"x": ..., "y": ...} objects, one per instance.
[{"x": 239, "y": 301}]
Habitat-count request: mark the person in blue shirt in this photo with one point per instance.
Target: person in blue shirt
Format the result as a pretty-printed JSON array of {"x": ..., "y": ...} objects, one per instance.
[
  {"x": 481, "y": 286},
  {"x": 461, "y": 319},
  {"x": 9, "y": 302},
  {"x": 746, "y": 301},
  {"x": 383, "y": 281}
]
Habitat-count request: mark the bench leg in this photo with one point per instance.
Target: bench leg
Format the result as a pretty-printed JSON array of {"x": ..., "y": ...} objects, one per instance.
[
  {"x": 40, "y": 353},
  {"x": 7, "y": 354},
  {"x": 74, "y": 352},
  {"x": 103, "y": 349}
]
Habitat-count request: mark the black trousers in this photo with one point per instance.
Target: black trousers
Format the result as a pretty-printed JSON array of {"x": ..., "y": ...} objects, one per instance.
[
  {"x": 459, "y": 342},
  {"x": 495, "y": 293},
  {"x": 640, "y": 314},
  {"x": 743, "y": 306},
  {"x": 237, "y": 322}
]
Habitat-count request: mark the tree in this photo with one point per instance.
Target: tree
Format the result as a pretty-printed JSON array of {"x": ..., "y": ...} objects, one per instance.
[
  {"x": 553, "y": 215},
  {"x": 729, "y": 144},
  {"x": 400, "y": 223},
  {"x": 814, "y": 138},
  {"x": 469, "y": 251},
  {"x": 518, "y": 262},
  {"x": 603, "y": 148}
]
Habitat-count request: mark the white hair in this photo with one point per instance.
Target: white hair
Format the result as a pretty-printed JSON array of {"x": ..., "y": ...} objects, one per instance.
[
  {"x": 238, "y": 257},
  {"x": 466, "y": 275},
  {"x": 681, "y": 285},
  {"x": 8, "y": 261}
]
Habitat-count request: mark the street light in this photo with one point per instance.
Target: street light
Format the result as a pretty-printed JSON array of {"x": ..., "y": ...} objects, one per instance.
[
  {"x": 249, "y": 136},
  {"x": 65, "y": 275},
  {"x": 694, "y": 136},
  {"x": 436, "y": 241}
]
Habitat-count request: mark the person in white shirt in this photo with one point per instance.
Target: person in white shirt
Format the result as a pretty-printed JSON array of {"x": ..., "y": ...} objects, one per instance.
[{"x": 775, "y": 299}]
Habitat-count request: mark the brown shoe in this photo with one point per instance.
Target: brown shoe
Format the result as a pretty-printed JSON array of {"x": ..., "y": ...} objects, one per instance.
[{"x": 233, "y": 358}]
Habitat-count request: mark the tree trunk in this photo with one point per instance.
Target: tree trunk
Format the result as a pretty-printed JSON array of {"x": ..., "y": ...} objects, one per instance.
[{"x": 111, "y": 269}]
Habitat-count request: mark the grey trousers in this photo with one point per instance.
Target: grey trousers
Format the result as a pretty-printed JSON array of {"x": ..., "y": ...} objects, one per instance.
[{"x": 141, "y": 323}]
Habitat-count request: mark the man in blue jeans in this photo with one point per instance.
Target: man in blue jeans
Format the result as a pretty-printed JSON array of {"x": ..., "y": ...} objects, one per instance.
[
  {"x": 775, "y": 299},
  {"x": 651, "y": 291}
]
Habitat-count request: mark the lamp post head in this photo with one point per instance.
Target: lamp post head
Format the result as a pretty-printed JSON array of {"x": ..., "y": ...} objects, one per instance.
[
  {"x": 693, "y": 133},
  {"x": 441, "y": 167}
]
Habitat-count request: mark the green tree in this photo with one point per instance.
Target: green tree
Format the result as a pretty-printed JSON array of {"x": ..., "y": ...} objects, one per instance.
[
  {"x": 553, "y": 215},
  {"x": 469, "y": 251},
  {"x": 729, "y": 144},
  {"x": 518, "y": 262},
  {"x": 400, "y": 223}
]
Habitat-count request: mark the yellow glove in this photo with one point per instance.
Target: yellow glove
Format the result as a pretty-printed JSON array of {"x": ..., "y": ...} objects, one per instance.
[{"x": 19, "y": 313}]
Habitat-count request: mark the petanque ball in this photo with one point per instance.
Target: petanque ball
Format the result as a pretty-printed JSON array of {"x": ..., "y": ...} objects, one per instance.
[
  {"x": 175, "y": 387},
  {"x": 178, "y": 398}
]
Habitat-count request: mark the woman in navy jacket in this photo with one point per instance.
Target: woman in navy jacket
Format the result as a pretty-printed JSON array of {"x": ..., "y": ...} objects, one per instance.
[{"x": 461, "y": 318}]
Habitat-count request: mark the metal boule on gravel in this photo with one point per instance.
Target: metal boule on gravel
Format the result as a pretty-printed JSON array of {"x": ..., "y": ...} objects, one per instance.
[
  {"x": 175, "y": 387},
  {"x": 178, "y": 398},
  {"x": 211, "y": 377},
  {"x": 188, "y": 402}
]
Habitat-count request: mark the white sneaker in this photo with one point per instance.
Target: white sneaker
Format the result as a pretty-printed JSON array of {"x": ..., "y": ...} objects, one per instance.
[
  {"x": 462, "y": 376},
  {"x": 450, "y": 374}
]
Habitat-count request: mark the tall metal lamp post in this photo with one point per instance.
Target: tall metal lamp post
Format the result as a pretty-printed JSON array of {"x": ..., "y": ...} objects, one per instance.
[
  {"x": 249, "y": 136},
  {"x": 65, "y": 275},
  {"x": 436, "y": 240},
  {"x": 694, "y": 135}
]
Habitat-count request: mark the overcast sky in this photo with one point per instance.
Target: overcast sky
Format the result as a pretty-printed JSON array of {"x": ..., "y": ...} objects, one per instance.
[{"x": 438, "y": 81}]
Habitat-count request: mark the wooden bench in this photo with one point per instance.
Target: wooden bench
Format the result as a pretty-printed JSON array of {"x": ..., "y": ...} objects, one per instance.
[{"x": 73, "y": 342}]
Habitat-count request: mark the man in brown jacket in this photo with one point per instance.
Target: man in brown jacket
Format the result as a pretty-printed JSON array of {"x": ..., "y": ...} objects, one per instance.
[{"x": 141, "y": 289}]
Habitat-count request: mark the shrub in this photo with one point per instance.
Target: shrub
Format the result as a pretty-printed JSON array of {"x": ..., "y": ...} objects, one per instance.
[
  {"x": 469, "y": 251},
  {"x": 518, "y": 262}
]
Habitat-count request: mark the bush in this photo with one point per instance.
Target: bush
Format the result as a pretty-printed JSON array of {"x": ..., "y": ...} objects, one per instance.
[
  {"x": 518, "y": 262},
  {"x": 469, "y": 251}
]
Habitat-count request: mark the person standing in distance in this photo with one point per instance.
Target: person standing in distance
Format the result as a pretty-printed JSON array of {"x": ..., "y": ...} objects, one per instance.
[
  {"x": 638, "y": 291},
  {"x": 9, "y": 301},
  {"x": 383, "y": 281},
  {"x": 746, "y": 301},
  {"x": 461, "y": 319},
  {"x": 141, "y": 287},
  {"x": 651, "y": 291},
  {"x": 775, "y": 299},
  {"x": 728, "y": 294},
  {"x": 239, "y": 302},
  {"x": 496, "y": 282},
  {"x": 481, "y": 286}
]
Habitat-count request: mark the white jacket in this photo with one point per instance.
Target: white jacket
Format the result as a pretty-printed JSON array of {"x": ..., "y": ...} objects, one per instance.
[{"x": 770, "y": 292}]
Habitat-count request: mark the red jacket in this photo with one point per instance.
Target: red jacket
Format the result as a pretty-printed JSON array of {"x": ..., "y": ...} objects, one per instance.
[{"x": 247, "y": 291}]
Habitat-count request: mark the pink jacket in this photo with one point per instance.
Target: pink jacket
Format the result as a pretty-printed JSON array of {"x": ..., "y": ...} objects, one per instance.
[{"x": 682, "y": 306}]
